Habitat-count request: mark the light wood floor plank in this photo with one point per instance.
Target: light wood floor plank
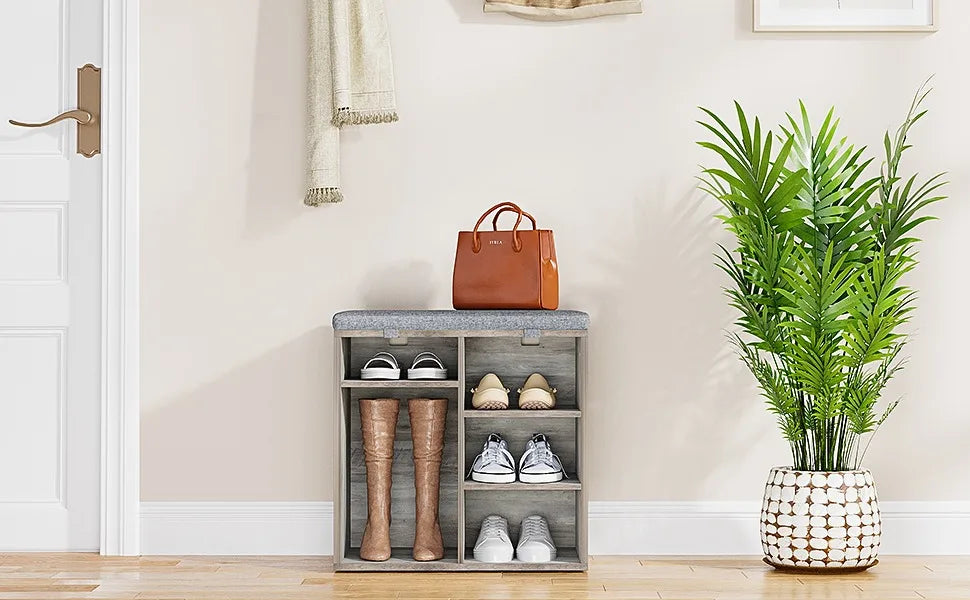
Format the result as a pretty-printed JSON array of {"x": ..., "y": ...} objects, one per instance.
[{"x": 47, "y": 576}]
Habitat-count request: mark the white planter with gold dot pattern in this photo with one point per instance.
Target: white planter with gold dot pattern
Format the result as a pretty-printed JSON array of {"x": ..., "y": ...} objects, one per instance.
[{"x": 820, "y": 520}]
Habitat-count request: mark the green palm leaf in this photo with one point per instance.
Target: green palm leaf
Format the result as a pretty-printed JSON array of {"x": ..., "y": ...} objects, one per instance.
[{"x": 823, "y": 247}]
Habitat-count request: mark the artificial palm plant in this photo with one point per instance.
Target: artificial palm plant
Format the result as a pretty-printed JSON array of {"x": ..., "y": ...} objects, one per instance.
[{"x": 822, "y": 249}]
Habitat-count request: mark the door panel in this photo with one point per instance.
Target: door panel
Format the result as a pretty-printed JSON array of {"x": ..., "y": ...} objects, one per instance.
[
  {"x": 33, "y": 414},
  {"x": 50, "y": 244},
  {"x": 33, "y": 31},
  {"x": 31, "y": 243}
]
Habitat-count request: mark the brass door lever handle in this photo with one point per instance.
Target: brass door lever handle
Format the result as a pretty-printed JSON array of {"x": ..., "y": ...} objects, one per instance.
[
  {"x": 81, "y": 116},
  {"x": 87, "y": 114}
]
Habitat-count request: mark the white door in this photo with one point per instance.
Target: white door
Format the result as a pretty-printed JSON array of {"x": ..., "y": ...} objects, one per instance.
[{"x": 50, "y": 247}]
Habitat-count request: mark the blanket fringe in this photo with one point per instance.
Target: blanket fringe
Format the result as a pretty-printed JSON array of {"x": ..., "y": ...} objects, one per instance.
[
  {"x": 318, "y": 196},
  {"x": 346, "y": 116}
]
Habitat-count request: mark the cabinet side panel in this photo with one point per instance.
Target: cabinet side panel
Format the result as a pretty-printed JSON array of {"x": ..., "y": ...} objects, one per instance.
[
  {"x": 341, "y": 402},
  {"x": 582, "y": 498},
  {"x": 459, "y": 458}
]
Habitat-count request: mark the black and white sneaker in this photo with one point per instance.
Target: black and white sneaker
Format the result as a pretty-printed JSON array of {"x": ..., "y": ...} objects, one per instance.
[
  {"x": 495, "y": 463},
  {"x": 538, "y": 464}
]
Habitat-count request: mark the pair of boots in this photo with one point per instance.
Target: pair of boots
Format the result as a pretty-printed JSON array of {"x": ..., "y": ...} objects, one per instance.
[{"x": 378, "y": 421}]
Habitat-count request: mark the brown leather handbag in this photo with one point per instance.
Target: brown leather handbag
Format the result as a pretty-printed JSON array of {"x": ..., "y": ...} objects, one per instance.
[{"x": 506, "y": 269}]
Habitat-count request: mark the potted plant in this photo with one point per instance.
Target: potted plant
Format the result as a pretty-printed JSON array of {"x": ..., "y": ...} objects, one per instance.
[{"x": 817, "y": 275}]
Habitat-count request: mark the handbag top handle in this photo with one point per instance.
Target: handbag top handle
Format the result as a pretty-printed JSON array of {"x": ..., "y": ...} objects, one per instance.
[
  {"x": 516, "y": 242},
  {"x": 507, "y": 209}
]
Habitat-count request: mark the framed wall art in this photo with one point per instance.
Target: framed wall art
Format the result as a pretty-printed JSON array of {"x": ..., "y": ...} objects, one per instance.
[{"x": 846, "y": 15}]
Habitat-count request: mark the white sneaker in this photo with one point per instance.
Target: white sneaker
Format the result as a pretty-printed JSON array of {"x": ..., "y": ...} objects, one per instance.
[
  {"x": 538, "y": 464},
  {"x": 494, "y": 545},
  {"x": 535, "y": 542},
  {"x": 495, "y": 463}
]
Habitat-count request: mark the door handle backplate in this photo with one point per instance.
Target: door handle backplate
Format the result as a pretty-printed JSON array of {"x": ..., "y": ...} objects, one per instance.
[{"x": 87, "y": 114}]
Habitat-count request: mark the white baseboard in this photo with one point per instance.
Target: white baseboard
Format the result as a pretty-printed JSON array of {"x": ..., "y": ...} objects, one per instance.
[
  {"x": 645, "y": 528},
  {"x": 674, "y": 528},
  {"x": 650, "y": 528},
  {"x": 237, "y": 528}
]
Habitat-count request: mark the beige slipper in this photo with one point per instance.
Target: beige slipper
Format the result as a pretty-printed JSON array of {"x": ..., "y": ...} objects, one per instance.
[
  {"x": 536, "y": 394},
  {"x": 490, "y": 394}
]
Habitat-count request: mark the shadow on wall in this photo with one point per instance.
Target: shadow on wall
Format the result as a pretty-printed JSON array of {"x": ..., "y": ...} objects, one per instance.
[
  {"x": 471, "y": 11},
  {"x": 227, "y": 432},
  {"x": 399, "y": 285},
  {"x": 744, "y": 14},
  {"x": 663, "y": 373},
  {"x": 276, "y": 165}
]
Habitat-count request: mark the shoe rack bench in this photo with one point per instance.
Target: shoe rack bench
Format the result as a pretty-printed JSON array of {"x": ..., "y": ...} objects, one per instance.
[{"x": 511, "y": 344}]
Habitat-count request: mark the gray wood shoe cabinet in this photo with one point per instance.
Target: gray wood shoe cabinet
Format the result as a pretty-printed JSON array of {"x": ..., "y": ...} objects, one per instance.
[{"x": 512, "y": 344}]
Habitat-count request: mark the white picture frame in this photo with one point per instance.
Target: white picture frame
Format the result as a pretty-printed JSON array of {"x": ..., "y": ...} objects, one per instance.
[{"x": 846, "y": 15}]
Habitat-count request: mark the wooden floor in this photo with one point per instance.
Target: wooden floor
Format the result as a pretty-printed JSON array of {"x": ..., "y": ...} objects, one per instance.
[{"x": 61, "y": 576}]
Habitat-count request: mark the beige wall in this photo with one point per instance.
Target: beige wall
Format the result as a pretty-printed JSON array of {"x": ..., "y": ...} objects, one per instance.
[{"x": 591, "y": 127}]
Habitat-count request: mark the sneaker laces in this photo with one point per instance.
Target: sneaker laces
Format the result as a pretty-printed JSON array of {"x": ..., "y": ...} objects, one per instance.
[
  {"x": 493, "y": 447},
  {"x": 493, "y": 527},
  {"x": 534, "y": 528},
  {"x": 539, "y": 441},
  {"x": 542, "y": 452},
  {"x": 492, "y": 451}
]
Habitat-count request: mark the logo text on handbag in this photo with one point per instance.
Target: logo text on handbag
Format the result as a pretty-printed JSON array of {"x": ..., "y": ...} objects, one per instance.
[{"x": 495, "y": 242}]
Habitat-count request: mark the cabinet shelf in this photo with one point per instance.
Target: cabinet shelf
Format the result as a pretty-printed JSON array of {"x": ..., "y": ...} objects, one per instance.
[
  {"x": 567, "y": 559},
  {"x": 401, "y": 560},
  {"x": 409, "y": 384},
  {"x": 566, "y": 485},
  {"x": 514, "y": 413}
]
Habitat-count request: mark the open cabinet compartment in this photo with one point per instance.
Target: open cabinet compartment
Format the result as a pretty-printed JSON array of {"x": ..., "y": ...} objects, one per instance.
[
  {"x": 360, "y": 350},
  {"x": 558, "y": 507},
  {"x": 512, "y": 344},
  {"x": 402, "y": 476},
  {"x": 513, "y": 362}
]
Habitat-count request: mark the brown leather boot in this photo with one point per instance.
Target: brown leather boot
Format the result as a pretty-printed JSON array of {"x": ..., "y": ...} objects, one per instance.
[
  {"x": 378, "y": 421},
  {"x": 428, "y": 436}
]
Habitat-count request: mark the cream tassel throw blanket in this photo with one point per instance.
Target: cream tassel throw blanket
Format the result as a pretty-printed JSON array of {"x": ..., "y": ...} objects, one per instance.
[
  {"x": 351, "y": 82},
  {"x": 561, "y": 10}
]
